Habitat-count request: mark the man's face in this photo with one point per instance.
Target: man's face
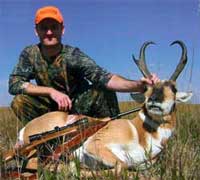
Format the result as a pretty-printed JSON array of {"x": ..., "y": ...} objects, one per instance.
[{"x": 49, "y": 32}]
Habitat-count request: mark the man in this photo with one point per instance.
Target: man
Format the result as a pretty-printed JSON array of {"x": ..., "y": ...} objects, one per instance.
[{"x": 66, "y": 78}]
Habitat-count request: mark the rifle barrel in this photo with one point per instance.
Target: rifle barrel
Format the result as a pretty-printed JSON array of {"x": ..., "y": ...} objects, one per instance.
[{"x": 126, "y": 113}]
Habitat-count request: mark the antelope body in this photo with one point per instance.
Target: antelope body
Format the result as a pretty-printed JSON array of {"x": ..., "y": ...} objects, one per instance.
[
  {"x": 128, "y": 143},
  {"x": 135, "y": 143}
]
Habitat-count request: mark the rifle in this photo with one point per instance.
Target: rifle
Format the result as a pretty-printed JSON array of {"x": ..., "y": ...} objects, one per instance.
[
  {"x": 78, "y": 131},
  {"x": 43, "y": 137}
]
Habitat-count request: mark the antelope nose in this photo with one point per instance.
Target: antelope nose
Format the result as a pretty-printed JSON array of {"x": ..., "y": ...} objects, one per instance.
[{"x": 153, "y": 98}]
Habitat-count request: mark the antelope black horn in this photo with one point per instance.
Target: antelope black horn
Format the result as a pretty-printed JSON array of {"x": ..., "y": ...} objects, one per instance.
[
  {"x": 182, "y": 62},
  {"x": 141, "y": 62}
]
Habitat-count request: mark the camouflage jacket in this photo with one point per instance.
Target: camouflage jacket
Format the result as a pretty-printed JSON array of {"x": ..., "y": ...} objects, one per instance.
[{"x": 65, "y": 73}]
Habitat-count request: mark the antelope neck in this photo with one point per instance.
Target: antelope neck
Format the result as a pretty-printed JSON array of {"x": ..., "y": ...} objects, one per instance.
[{"x": 150, "y": 122}]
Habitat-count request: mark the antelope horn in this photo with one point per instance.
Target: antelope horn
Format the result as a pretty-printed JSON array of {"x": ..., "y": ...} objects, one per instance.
[
  {"x": 182, "y": 62},
  {"x": 141, "y": 63}
]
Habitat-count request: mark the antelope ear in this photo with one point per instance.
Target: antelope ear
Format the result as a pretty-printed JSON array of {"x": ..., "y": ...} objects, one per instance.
[
  {"x": 183, "y": 96},
  {"x": 138, "y": 97}
]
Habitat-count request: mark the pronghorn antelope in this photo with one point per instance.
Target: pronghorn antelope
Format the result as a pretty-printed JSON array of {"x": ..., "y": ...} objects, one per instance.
[{"x": 128, "y": 143}]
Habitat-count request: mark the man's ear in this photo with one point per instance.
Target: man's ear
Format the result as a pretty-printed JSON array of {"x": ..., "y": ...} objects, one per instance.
[
  {"x": 63, "y": 29},
  {"x": 183, "y": 96},
  {"x": 138, "y": 97},
  {"x": 35, "y": 29}
]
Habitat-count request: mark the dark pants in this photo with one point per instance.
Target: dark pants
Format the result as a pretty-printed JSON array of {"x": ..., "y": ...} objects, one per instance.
[{"x": 91, "y": 102}]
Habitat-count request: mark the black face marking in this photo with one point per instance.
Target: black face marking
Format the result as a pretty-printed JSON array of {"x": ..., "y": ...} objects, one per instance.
[
  {"x": 173, "y": 88},
  {"x": 145, "y": 88},
  {"x": 157, "y": 95}
]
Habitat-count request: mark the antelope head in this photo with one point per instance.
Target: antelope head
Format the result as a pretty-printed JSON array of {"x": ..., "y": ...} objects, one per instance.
[{"x": 160, "y": 98}]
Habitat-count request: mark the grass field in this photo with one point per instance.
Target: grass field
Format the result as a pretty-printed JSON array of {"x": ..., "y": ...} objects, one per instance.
[{"x": 180, "y": 159}]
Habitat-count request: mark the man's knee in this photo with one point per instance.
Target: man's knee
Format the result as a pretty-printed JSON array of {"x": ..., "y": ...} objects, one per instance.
[
  {"x": 18, "y": 102},
  {"x": 28, "y": 107}
]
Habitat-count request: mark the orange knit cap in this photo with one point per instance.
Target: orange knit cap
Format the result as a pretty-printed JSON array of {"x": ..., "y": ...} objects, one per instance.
[{"x": 48, "y": 12}]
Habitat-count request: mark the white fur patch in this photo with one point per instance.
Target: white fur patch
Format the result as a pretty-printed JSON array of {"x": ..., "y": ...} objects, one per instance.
[
  {"x": 133, "y": 153},
  {"x": 183, "y": 96},
  {"x": 71, "y": 120},
  {"x": 142, "y": 116},
  {"x": 164, "y": 108},
  {"x": 21, "y": 135},
  {"x": 155, "y": 144},
  {"x": 88, "y": 159},
  {"x": 165, "y": 133},
  {"x": 167, "y": 106}
]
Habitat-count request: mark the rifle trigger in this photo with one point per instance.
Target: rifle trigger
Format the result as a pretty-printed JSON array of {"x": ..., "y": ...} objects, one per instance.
[{"x": 57, "y": 128}]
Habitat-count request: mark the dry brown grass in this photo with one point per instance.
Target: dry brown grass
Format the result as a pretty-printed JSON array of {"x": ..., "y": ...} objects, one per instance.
[
  {"x": 180, "y": 159},
  {"x": 9, "y": 128}
]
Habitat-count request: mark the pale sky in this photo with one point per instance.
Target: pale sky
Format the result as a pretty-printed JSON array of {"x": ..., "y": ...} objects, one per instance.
[{"x": 110, "y": 31}]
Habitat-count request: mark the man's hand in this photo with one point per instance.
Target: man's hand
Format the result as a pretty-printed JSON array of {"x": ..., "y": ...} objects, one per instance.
[
  {"x": 63, "y": 100},
  {"x": 153, "y": 79}
]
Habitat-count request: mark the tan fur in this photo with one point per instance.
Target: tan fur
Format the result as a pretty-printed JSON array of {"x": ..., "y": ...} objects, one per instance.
[
  {"x": 111, "y": 133},
  {"x": 170, "y": 121},
  {"x": 141, "y": 131},
  {"x": 48, "y": 122},
  {"x": 168, "y": 94}
]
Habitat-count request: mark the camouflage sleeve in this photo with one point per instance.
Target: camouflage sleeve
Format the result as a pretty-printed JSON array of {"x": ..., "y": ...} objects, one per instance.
[
  {"x": 22, "y": 73},
  {"x": 88, "y": 69}
]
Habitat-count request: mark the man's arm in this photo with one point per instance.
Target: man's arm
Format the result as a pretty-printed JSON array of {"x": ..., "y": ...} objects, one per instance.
[
  {"x": 19, "y": 83},
  {"x": 101, "y": 77},
  {"x": 63, "y": 100},
  {"x": 120, "y": 84},
  {"x": 22, "y": 73}
]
